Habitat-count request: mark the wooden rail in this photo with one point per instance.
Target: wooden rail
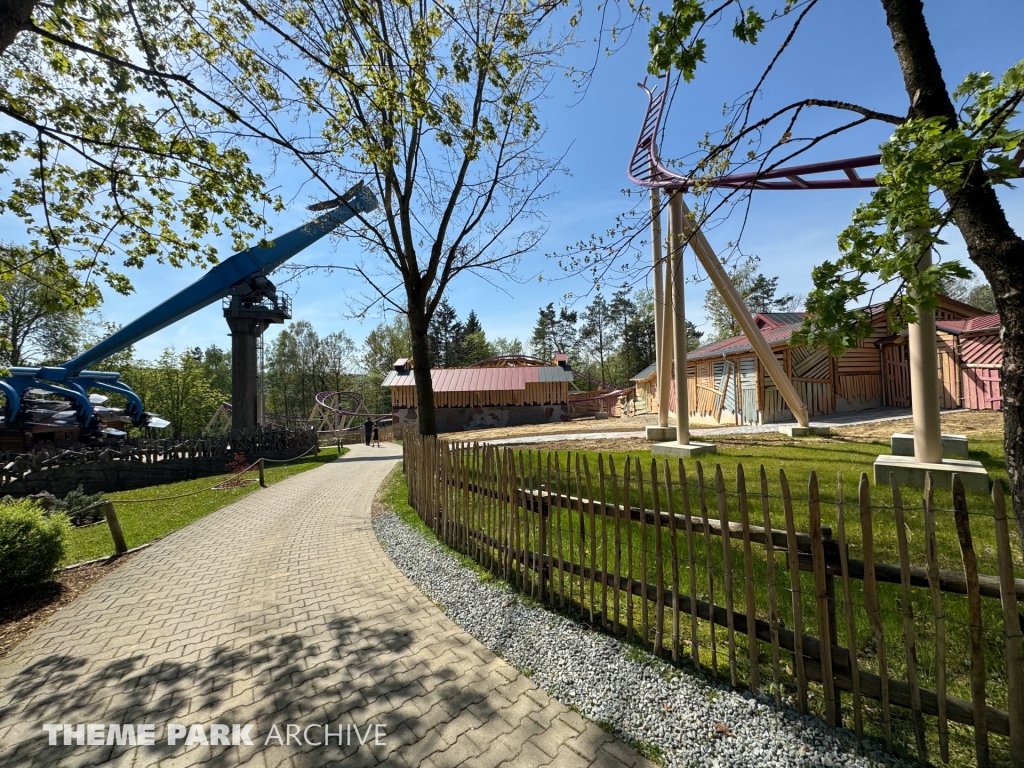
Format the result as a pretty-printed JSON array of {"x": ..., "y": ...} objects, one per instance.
[{"x": 583, "y": 539}]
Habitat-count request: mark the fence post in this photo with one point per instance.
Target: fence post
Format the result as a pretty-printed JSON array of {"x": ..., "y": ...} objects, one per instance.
[
  {"x": 1011, "y": 629},
  {"x": 120, "y": 547},
  {"x": 263, "y": 478},
  {"x": 974, "y": 621}
]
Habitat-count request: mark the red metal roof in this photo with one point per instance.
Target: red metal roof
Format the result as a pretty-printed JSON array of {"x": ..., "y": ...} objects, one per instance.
[
  {"x": 774, "y": 336},
  {"x": 970, "y": 325},
  {"x": 481, "y": 379},
  {"x": 766, "y": 320}
]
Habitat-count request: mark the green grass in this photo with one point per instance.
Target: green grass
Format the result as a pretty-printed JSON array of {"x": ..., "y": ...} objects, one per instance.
[
  {"x": 798, "y": 459},
  {"x": 148, "y": 521}
]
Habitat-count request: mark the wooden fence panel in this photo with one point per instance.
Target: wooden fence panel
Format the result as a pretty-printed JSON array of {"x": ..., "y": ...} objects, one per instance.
[{"x": 604, "y": 534}]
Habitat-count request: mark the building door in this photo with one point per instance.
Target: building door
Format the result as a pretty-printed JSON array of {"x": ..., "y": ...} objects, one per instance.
[
  {"x": 748, "y": 390},
  {"x": 897, "y": 375}
]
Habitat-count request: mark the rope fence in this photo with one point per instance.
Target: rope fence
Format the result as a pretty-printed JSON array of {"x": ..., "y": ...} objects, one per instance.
[{"x": 110, "y": 511}]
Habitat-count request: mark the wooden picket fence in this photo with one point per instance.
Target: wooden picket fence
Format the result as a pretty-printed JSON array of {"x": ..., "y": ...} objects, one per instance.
[
  {"x": 15, "y": 465},
  {"x": 675, "y": 563}
]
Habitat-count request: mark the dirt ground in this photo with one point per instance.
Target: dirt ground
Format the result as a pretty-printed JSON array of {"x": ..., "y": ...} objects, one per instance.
[
  {"x": 957, "y": 423},
  {"x": 975, "y": 423},
  {"x": 24, "y": 610},
  {"x": 577, "y": 426}
]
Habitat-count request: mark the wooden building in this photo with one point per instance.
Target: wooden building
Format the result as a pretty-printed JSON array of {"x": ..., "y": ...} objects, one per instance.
[
  {"x": 728, "y": 385},
  {"x": 478, "y": 398}
]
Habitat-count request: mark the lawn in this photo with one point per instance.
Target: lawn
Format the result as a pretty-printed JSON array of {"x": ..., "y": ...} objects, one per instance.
[
  {"x": 798, "y": 458},
  {"x": 147, "y": 518}
]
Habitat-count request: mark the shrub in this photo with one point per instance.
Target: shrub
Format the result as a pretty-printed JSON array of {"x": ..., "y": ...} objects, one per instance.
[
  {"x": 31, "y": 544},
  {"x": 80, "y": 507}
]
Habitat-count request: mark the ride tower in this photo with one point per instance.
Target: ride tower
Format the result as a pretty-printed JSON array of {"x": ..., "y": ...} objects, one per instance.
[{"x": 251, "y": 309}]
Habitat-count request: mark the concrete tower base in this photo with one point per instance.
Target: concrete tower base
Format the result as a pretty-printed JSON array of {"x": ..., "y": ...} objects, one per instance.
[
  {"x": 795, "y": 430},
  {"x": 655, "y": 434},
  {"x": 953, "y": 446},
  {"x": 907, "y": 471},
  {"x": 675, "y": 450}
]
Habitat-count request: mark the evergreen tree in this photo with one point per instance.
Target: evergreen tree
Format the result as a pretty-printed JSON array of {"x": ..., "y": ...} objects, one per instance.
[
  {"x": 555, "y": 332},
  {"x": 756, "y": 290},
  {"x": 597, "y": 332},
  {"x": 445, "y": 336}
]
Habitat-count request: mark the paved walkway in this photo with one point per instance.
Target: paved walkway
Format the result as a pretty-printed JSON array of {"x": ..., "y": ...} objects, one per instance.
[{"x": 281, "y": 609}]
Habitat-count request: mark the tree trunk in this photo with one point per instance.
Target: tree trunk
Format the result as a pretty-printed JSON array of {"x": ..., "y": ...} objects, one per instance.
[
  {"x": 419, "y": 324},
  {"x": 991, "y": 242},
  {"x": 14, "y": 17}
]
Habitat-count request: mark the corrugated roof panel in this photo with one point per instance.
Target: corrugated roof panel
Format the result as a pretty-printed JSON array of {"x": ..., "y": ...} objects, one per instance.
[
  {"x": 646, "y": 373},
  {"x": 983, "y": 323},
  {"x": 553, "y": 374},
  {"x": 482, "y": 379}
]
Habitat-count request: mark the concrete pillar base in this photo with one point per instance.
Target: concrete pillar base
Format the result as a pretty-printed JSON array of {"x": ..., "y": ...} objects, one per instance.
[
  {"x": 907, "y": 471},
  {"x": 675, "y": 450},
  {"x": 953, "y": 446},
  {"x": 656, "y": 434},
  {"x": 795, "y": 430}
]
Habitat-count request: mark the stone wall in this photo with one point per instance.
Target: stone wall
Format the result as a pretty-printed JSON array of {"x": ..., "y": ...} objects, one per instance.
[
  {"x": 119, "y": 475},
  {"x": 466, "y": 419}
]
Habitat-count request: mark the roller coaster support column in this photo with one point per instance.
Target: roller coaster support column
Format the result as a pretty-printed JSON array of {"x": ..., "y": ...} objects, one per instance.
[
  {"x": 924, "y": 382},
  {"x": 928, "y": 451},
  {"x": 733, "y": 300},
  {"x": 676, "y": 345},
  {"x": 675, "y": 260},
  {"x": 662, "y": 326},
  {"x": 244, "y": 372}
]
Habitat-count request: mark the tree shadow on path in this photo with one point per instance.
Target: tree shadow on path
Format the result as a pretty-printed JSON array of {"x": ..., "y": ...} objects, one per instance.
[{"x": 352, "y": 672}]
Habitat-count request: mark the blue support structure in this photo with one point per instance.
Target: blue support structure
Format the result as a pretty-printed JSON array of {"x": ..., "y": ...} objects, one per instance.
[{"x": 234, "y": 275}]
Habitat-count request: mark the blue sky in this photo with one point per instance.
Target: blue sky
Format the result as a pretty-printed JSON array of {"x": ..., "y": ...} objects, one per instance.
[{"x": 843, "y": 52}]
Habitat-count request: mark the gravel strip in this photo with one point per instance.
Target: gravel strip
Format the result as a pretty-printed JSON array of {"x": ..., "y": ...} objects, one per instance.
[{"x": 688, "y": 719}]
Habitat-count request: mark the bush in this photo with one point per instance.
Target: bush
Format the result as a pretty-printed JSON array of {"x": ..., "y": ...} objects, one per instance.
[
  {"x": 80, "y": 507},
  {"x": 31, "y": 544}
]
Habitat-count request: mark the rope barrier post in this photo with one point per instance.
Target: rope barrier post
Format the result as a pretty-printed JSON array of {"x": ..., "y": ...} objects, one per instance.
[
  {"x": 120, "y": 547},
  {"x": 263, "y": 479}
]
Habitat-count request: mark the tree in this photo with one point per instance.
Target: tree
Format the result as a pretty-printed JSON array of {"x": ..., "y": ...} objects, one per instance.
[
  {"x": 757, "y": 291},
  {"x": 216, "y": 364},
  {"x": 960, "y": 142},
  {"x": 41, "y": 312},
  {"x": 980, "y": 295},
  {"x": 597, "y": 332},
  {"x": 176, "y": 387},
  {"x": 555, "y": 332},
  {"x": 339, "y": 359},
  {"x": 445, "y": 336},
  {"x": 693, "y": 337},
  {"x": 384, "y": 345},
  {"x": 432, "y": 105},
  {"x": 118, "y": 154},
  {"x": 501, "y": 346},
  {"x": 970, "y": 291}
]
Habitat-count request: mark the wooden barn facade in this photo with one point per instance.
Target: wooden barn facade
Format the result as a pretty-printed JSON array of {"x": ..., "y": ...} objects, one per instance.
[
  {"x": 479, "y": 398},
  {"x": 728, "y": 385}
]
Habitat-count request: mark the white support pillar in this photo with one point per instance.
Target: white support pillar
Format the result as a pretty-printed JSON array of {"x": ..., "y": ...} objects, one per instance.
[
  {"x": 739, "y": 310},
  {"x": 924, "y": 382},
  {"x": 928, "y": 438},
  {"x": 675, "y": 257},
  {"x": 674, "y": 346},
  {"x": 662, "y": 321}
]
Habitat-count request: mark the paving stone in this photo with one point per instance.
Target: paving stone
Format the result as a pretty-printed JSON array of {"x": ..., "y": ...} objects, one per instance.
[{"x": 280, "y": 608}]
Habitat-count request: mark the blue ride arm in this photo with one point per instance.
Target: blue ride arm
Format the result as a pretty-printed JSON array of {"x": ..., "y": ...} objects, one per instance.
[{"x": 219, "y": 280}]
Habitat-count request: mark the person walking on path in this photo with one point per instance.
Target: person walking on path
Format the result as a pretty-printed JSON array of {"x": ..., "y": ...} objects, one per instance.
[
  {"x": 367, "y": 430},
  {"x": 376, "y": 434}
]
